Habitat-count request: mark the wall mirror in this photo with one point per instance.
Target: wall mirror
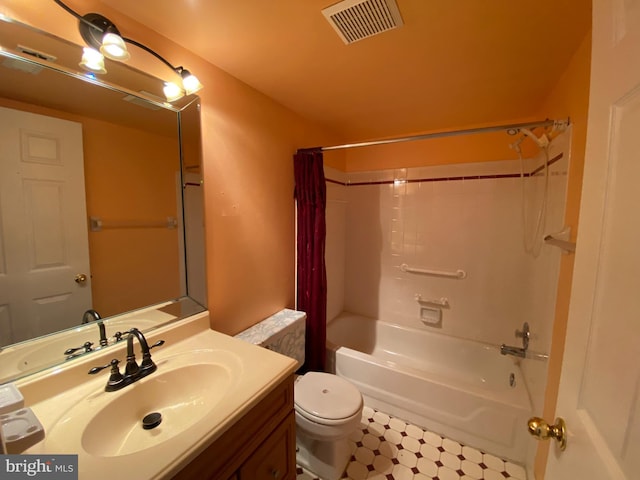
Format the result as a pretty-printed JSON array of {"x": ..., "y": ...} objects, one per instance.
[{"x": 100, "y": 203}]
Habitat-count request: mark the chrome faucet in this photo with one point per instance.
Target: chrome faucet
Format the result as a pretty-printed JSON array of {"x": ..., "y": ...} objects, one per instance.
[
  {"x": 521, "y": 352},
  {"x": 515, "y": 351},
  {"x": 93, "y": 316},
  {"x": 132, "y": 372}
]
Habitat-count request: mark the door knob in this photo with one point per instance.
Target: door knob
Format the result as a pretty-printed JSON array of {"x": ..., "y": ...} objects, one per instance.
[
  {"x": 80, "y": 279},
  {"x": 543, "y": 431}
]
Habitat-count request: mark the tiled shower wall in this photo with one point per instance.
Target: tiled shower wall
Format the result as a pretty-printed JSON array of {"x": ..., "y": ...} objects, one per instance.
[{"x": 448, "y": 218}]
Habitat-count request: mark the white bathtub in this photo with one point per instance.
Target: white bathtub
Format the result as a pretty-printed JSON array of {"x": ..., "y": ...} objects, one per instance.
[{"x": 455, "y": 387}]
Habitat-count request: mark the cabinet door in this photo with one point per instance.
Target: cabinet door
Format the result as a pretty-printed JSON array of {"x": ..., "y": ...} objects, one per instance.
[{"x": 275, "y": 458}]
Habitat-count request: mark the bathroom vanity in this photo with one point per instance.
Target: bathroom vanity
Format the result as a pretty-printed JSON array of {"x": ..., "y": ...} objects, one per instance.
[
  {"x": 226, "y": 407},
  {"x": 261, "y": 445}
]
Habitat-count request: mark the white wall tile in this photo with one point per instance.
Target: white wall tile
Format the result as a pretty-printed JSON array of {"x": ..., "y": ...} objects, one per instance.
[
  {"x": 335, "y": 248},
  {"x": 472, "y": 224}
]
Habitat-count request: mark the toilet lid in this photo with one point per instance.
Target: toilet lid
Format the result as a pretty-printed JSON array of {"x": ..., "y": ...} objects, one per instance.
[{"x": 327, "y": 396}]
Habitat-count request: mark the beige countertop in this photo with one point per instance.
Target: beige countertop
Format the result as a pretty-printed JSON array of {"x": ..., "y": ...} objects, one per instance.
[{"x": 66, "y": 401}]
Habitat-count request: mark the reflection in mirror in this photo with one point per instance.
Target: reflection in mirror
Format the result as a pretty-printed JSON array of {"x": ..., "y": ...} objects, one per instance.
[{"x": 97, "y": 210}]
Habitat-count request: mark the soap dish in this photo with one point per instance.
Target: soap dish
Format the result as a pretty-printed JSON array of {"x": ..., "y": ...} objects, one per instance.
[
  {"x": 21, "y": 429},
  {"x": 10, "y": 398}
]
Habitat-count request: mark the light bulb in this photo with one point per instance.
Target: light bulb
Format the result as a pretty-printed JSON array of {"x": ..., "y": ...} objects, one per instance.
[
  {"x": 113, "y": 47},
  {"x": 172, "y": 91},
  {"x": 92, "y": 60},
  {"x": 190, "y": 82}
]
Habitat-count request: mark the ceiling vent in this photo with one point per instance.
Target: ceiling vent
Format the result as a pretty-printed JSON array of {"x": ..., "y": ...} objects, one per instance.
[{"x": 355, "y": 20}]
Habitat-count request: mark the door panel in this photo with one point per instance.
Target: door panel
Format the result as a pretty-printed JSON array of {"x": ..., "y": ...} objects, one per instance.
[
  {"x": 43, "y": 232},
  {"x": 600, "y": 383}
]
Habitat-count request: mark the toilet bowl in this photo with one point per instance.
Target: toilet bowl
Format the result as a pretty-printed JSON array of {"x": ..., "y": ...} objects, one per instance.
[{"x": 327, "y": 409}]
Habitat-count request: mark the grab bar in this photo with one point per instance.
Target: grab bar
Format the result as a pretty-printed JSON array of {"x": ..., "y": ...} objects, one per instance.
[
  {"x": 96, "y": 224},
  {"x": 460, "y": 274}
]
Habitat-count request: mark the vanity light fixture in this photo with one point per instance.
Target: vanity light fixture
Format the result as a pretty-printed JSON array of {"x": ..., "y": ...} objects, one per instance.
[
  {"x": 101, "y": 34},
  {"x": 105, "y": 40}
]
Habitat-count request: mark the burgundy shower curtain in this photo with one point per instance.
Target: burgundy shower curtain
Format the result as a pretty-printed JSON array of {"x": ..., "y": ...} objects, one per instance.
[{"x": 311, "y": 197}]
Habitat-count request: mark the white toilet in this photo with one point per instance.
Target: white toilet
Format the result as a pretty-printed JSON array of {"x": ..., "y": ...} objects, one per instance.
[{"x": 327, "y": 408}]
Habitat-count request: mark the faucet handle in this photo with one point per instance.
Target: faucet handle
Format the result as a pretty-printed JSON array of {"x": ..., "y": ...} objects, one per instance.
[
  {"x": 118, "y": 335},
  {"x": 116, "y": 379},
  {"x": 113, "y": 364},
  {"x": 87, "y": 348},
  {"x": 159, "y": 343},
  {"x": 147, "y": 364}
]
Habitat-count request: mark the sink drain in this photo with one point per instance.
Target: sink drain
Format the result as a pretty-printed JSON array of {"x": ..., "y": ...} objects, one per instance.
[{"x": 152, "y": 420}]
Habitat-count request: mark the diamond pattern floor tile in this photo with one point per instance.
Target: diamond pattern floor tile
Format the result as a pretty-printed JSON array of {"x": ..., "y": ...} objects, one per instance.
[{"x": 387, "y": 448}]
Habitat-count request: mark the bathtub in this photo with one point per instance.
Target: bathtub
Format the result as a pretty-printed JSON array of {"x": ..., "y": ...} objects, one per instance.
[{"x": 459, "y": 388}]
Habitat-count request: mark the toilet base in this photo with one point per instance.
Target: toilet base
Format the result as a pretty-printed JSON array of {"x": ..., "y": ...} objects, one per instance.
[{"x": 326, "y": 460}]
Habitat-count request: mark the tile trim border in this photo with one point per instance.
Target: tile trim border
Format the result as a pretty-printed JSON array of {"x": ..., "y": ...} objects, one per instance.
[{"x": 448, "y": 178}]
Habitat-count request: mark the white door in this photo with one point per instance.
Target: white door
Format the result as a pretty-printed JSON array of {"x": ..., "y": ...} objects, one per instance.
[
  {"x": 600, "y": 385},
  {"x": 43, "y": 226}
]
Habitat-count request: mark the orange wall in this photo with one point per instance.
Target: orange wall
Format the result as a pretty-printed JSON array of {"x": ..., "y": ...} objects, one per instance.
[
  {"x": 570, "y": 97},
  {"x": 248, "y": 143},
  {"x": 132, "y": 178}
]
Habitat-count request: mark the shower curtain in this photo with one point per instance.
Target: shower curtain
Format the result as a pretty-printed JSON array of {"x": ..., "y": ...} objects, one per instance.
[{"x": 311, "y": 197}]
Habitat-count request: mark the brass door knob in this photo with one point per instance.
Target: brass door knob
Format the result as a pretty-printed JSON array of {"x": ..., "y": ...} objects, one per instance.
[
  {"x": 80, "y": 279},
  {"x": 543, "y": 431}
]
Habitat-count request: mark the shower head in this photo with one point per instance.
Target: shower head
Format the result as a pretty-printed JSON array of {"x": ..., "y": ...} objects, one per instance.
[
  {"x": 516, "y": 145},
  {"x": 542, "y": 142}
]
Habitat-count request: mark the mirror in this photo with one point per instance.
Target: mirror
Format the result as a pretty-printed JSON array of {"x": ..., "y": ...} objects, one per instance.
[{"x": 100, "y": 203}]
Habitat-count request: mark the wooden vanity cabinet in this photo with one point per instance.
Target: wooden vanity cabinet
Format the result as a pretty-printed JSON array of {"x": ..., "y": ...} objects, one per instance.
[{"x": 259, "y": 446}]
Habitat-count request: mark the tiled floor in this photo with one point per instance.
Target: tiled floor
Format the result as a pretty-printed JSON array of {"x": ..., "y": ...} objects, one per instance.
[{"x": 386, "y": 448}]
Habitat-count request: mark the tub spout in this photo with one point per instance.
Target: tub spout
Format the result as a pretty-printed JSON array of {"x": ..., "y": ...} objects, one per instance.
[{"x": 515, "y": 351}]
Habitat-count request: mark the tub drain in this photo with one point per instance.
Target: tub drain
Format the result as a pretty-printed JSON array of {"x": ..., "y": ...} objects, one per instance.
[{"x": 152, "y": 420}]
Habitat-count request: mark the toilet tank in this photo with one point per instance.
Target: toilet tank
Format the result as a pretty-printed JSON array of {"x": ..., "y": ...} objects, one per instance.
[{"x": 282, "y": 332}]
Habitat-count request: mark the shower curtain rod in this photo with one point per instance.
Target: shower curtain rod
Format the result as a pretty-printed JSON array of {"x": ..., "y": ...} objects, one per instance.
[{"x": 512, "y": 129}]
